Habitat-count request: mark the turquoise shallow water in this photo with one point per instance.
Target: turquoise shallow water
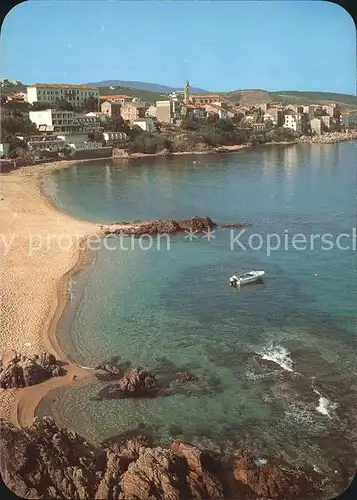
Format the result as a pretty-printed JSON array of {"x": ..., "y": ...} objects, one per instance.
[{"x": 172, "y": 309}]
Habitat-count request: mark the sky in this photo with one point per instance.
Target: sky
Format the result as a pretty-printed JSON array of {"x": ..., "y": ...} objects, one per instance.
[{"x": 216, "y": 45}]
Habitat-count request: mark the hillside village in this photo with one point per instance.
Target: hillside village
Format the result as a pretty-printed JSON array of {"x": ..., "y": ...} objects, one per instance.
[{"x": 44, "y": 121}]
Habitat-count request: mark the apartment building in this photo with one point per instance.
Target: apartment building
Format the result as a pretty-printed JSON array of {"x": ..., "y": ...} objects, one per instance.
[
  {"x": 87, "y": 123},
  {"x": 293, "y": 122},
  {"x": 50, "y": 143},
  {"x": 61, "y": 121},
  {"x": 76, "y": 95}
]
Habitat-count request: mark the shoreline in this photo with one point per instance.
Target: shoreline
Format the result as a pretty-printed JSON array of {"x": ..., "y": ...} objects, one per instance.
[{"x": 20, "y": 404}]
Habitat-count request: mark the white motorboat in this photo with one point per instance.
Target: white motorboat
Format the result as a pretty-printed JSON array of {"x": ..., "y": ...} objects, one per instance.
[{"x": 242, "y": 279}]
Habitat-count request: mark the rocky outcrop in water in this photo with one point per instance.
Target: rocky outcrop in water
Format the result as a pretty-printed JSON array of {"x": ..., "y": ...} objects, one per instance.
[
  {"x": 135, "y": 383},
  {"x": 162, "y": 226},
  {"x": 44, "y": 461},
  {"x": 21, "y": 371}
]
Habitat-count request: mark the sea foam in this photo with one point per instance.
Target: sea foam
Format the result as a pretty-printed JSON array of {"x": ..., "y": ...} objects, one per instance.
[
  {"x": 325, "y": 406},
  {"x": 279, "y": 355}
]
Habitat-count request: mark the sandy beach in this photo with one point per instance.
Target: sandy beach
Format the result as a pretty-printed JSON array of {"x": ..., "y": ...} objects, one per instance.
[{"x": 39, "y": 250}]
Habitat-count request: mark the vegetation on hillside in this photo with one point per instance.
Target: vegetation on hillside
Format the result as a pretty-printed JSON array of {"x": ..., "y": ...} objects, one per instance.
[
  {"x": 144, "y": 95},
  {"x": 297, "y": 97},
  {"x": 203, "y": 135}
]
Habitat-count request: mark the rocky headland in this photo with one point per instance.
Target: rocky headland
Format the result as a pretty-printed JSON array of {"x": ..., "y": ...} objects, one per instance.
[{"x": 44, "y": 461}]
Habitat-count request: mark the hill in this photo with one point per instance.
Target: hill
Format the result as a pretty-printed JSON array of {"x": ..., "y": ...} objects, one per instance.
[
  {"x": 145, "y": 95},
  {"x": 150, "y": 87},
  {"x": 250, "y": 97},
  {"x": 294, "y": 96}
]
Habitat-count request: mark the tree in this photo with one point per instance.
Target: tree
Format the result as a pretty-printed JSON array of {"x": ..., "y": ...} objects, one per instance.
[
  {"x": 213, "y": 117},
  {"x": 189, "y": 123},
  {"x": 91, "y": 104},
  {"x": 281, "y": 120},
  {"x": 116, "y": 124},
  {"x": 39, "y": 106},
  {"x": 63, "y": 105},
  {"x": 16, "y": 108},
  {"x": 16, "y": 125}
]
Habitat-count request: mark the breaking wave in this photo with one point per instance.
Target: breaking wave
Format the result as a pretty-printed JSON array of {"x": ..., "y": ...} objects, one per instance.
[{"x": 279, "y": 355}]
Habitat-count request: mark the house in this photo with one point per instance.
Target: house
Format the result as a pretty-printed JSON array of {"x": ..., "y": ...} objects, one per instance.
[
  {"x": 4, "y": 149},
  {"x": 216, "y": 109},
  {"x": 349, "y": 119},
  {"x": 99, "y": 115},
  {"x": 327, "y": 120},
  {"x": 76, "y": 95},
  {"x": 204, "y": 98},
  {"x": 293, "y": 122},
  {"x": 193, "y": 111},
  {"x": 164, "y": 112},
  {"x": 312, "y": 110},
  {"x": 62, "y": 121},
  {"x": 260, "y": 126},
  {"x": 111, "y": 109},
  {"x": 263, "y": 106},
  {"x": 316, "y": 126},
  {"x": 151, "y": 111},
  {"x": 17, "y": 96},
  {"x": 274, "y": 115},
  {"x": 146, "y": 124},
  {"x": 131, "y": 111},
  {"x": 111, "y": 137},
  {"x": 118, "y": 98},
  {"x": 330, "y": 109}
]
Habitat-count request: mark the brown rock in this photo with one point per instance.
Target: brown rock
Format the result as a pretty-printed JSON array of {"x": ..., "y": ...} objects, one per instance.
[
  {"x": 136, "y": 383},
  {"x": 157, "y": 474},
  {"x": 272, "y": 480},
  {"x": 202, "y": 469},
  {"x": 187, "y": 377}
]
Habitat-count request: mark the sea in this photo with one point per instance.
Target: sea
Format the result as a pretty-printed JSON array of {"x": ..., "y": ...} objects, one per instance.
[{"x": 275, "y": 361}]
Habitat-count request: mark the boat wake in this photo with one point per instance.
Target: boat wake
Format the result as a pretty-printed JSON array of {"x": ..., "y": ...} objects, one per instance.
[{"x": 279, "y": 355}]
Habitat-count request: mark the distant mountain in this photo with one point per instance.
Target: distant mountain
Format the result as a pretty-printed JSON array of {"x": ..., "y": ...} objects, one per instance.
[{"x": 151, "y": 87}]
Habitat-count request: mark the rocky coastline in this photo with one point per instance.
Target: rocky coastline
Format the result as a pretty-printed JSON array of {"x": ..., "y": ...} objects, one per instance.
[
  {"x": 328, "y": 138},
  {"x": 44, "y": 461}
]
